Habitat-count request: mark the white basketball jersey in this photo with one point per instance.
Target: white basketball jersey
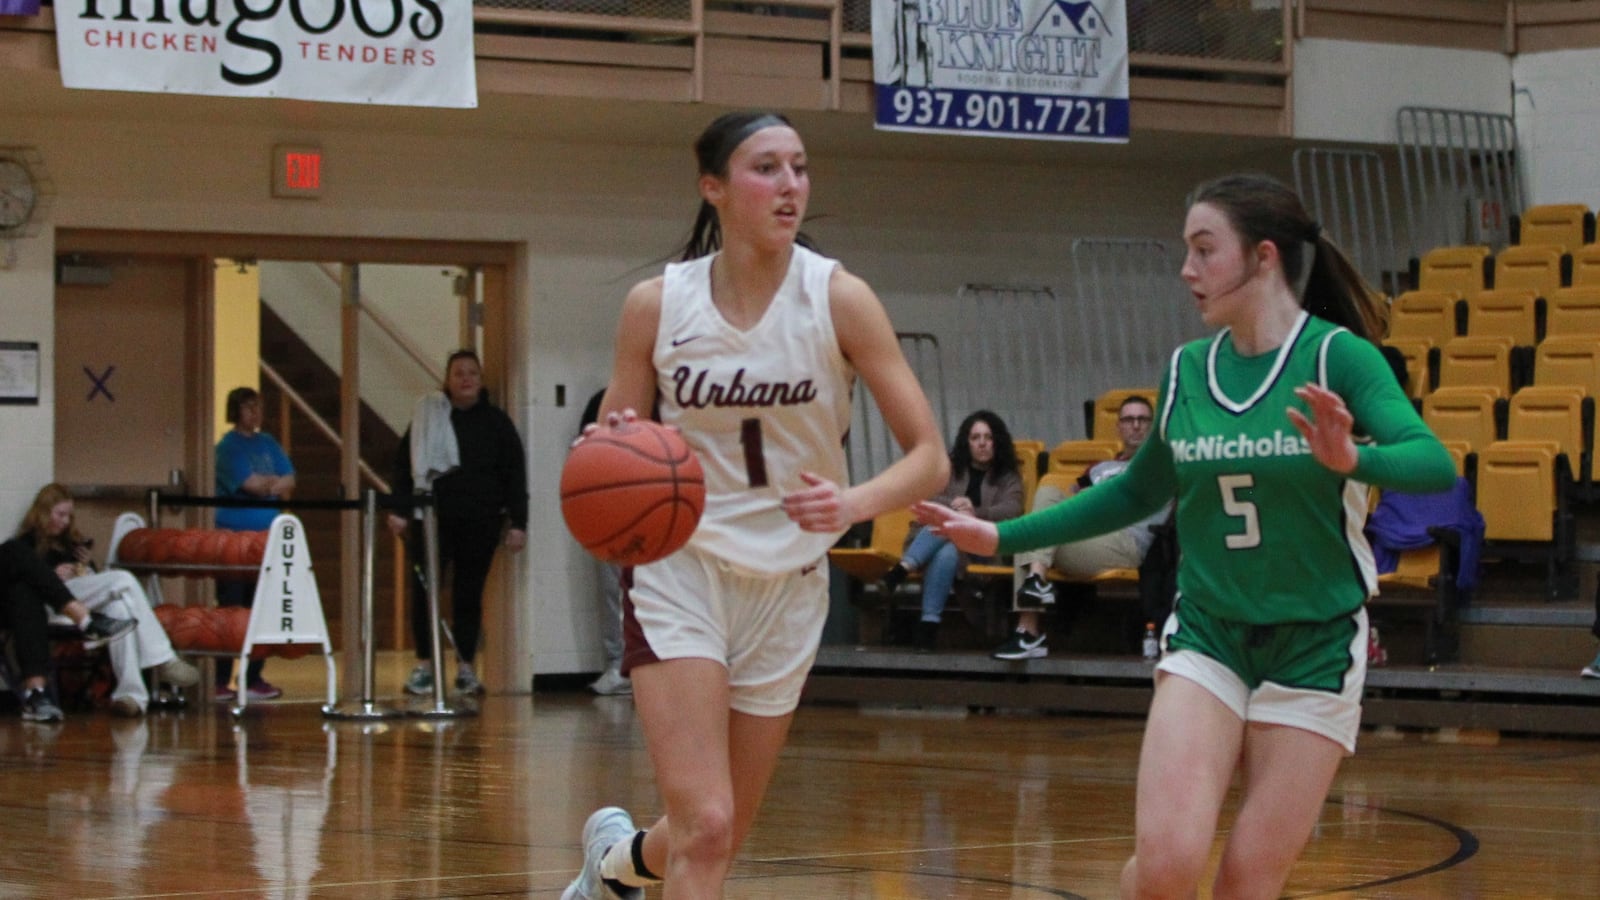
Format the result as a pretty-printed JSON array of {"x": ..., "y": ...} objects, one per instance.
[{"x": 759, "y": 407}]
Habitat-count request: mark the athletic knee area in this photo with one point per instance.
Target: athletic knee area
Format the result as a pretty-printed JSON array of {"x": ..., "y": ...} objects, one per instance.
[
  {"x": 703, "y": 833},
  {"x": 1258, "y": 870}
]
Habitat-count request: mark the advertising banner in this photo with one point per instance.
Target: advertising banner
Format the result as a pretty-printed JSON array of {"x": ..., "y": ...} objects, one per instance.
[
  {"x": 1047, "y": 69},
  {"x": 392, "y": 52}
]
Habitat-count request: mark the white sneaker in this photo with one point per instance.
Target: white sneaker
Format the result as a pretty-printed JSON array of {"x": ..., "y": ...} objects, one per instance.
[
  {"x": 1592, "y": 670},
  {"x": 612, "y": 683},
  {"x": 605, "y": 828}
]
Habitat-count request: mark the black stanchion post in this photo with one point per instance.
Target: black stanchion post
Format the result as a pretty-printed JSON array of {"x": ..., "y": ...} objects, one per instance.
[{"x": 439, "y": 710}]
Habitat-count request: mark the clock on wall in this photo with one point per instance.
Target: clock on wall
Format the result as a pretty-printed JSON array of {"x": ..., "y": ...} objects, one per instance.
[{"x": 19, "y": 193}]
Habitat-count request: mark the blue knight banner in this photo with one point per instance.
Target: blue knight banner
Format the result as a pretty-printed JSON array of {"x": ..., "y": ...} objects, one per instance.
[
  {"x": 1047, "y": 69},
  {"x": 19, "y": 7}
]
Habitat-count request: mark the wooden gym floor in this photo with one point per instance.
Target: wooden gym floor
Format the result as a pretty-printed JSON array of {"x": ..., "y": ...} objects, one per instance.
[{"x": 866, "y": 804}]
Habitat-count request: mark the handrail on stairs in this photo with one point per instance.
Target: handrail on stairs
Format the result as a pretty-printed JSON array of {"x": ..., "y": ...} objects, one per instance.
[
  {"x": 387, "y": 326},
  {"x": 368, "y": 475}
]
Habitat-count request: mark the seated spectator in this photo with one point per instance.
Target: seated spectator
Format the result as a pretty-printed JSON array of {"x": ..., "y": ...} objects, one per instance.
[
  {"x": 984, "y": 482},
  {"x": 49, "y": 530},
  {"x": 27, "y": 589},
  {"x": 1123, "y": 549}
]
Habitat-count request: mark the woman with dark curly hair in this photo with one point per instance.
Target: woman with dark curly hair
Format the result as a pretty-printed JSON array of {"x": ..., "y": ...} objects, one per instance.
[{"x": 984, "y": 482}]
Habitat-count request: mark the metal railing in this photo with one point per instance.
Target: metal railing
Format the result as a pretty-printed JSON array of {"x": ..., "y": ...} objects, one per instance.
[
  {"x": 1347, "y": 192},
  {"x": 1458, "y": 172}
]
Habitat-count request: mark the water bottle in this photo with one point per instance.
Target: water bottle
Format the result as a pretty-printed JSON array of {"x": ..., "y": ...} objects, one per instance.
[{"x": 1152, "y": 644}]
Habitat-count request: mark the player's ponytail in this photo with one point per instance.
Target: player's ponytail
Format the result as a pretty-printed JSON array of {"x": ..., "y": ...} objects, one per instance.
[{"x": 1263, "y": 209}]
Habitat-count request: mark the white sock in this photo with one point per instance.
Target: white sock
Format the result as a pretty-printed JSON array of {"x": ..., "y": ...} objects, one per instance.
[{"x": 617, "y": 864}]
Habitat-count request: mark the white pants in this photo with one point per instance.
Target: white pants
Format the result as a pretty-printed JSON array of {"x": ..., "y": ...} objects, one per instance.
[{"x": 117, "y": 594}]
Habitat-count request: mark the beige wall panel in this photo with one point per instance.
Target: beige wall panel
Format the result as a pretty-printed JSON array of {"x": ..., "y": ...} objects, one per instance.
[
  {"x": 772, "y": 59},
  {"x": 742, "y": 89},
  {"x": 135, "y": 328}
]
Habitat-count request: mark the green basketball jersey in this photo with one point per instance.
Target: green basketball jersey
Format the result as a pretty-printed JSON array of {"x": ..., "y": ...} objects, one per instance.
[{"x": 1268, "y": 534}]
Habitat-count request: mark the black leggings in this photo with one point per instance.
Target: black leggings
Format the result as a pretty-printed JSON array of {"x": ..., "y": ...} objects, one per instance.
[
  {"x": 466, "y": 550},
  {"x": 23, "y": 613}
]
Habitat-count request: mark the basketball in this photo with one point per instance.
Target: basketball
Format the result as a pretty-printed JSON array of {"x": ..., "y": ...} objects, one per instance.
[
  {"x": 632, "y": 494},
  {"x": 135, "y": 546}
]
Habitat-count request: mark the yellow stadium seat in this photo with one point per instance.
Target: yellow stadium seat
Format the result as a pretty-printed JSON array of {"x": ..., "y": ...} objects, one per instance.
[
  {"x": 1426, "y": 315},
  {"x": 868, "y": 564},
  {"x": 1459, "y": 451},
  {"x": 1568, "y": 359},
  {"x": 1028, "y": 468},
  {"x": 1481, "y": 361},
  {"x": 1509, "y": 312},
  {"x": 1517, "y": 490},
  {"x": 1573, "y": 310},
  {"x": 1100, "y": 414},
  {"x": 1522, "y": 496},
  {"x": 1558, "y": 413},
  {"x": 1462, "y": 414},
  {"x": 1586, "y": 266},
  {"x": 1463, "y": 270},
  {"x": 1037, "y": 446},
  {"x": 1073, "y": 458},
  {"x": 1538, "y": 269},
  {"x": 1564, "y": 225},
  {"x": 1415, "y": 351}
]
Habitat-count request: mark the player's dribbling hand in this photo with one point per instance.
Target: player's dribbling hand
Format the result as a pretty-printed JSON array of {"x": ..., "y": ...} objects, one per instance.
[
  {"x": 820, "y": 506},
  {"x": 1328, "y": 431},
  {"x": 967, "y": 532}
]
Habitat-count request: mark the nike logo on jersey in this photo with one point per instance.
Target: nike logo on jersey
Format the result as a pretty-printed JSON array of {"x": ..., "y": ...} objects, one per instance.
[
  {"x": 679, "y": 342},
  {"x": 809, "y": 569}
]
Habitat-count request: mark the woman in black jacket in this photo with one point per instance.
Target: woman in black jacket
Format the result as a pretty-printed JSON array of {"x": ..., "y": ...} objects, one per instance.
[{"x": 477, "y": 472}]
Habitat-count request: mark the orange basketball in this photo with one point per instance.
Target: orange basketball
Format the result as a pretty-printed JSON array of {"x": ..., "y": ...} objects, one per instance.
[
  {"x": 185, "y": 547},
  {"x": 255, "y": 545},
  {"x": 233, "y": 623},
  {"x": 165, "y": 613},
  {"x": 135, "y": 545},
  {"x": 632, "y": 494},
  {"x": 185, "y": 628},
  {"x": 163, "y": 541},
  {"x": 213, "y": 548}
]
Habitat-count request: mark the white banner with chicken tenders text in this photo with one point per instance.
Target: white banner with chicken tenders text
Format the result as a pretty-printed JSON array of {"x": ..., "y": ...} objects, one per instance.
[{"x": 391, "y": 52}]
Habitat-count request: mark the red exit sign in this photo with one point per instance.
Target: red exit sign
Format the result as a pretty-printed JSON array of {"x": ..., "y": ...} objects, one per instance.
[{"x": 297, "y": 172}]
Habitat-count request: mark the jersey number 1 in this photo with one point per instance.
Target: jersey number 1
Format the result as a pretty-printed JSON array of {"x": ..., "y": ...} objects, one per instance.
[
  {"x": 755, "y": 460},
  {"x": 1244, "y": 509}
]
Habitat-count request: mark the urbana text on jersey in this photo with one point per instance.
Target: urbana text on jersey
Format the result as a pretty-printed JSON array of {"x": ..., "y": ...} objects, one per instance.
[
  {"x": 1243, "y": 446},
  {"x": 692, "y": 390}
]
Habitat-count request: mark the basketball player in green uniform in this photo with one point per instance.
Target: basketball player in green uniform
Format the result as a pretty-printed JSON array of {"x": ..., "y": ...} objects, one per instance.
[{"x": 1267, "y": 434}]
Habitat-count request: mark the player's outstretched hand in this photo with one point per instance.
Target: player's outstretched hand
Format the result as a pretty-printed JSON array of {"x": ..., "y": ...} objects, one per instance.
[
  {"x": 820, "y": 506},
  {"x": 969, "y": 533},
  {"x": 1328, "y": 431}
]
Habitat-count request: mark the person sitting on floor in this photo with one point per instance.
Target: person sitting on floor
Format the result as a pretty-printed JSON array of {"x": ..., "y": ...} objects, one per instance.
[
  {"x": 1124, "y": 549},
  {"x": 50, "y": 529}
]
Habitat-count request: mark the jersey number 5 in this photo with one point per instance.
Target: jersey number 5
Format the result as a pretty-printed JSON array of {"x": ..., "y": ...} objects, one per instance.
[{"x": 1244, "y": 509}]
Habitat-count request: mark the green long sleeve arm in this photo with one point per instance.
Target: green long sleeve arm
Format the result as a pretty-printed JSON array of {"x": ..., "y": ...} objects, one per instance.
[
  {"x": 1148, "y": 483},
  {"x": 1405, "y": 455}
]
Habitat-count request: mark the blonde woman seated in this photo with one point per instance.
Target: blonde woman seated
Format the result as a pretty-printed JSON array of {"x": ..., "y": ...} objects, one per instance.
[{"x": 113, "y": 594}]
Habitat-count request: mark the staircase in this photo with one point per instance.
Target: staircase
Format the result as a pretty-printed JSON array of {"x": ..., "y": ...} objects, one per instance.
[{"x": 317, "y": 470}]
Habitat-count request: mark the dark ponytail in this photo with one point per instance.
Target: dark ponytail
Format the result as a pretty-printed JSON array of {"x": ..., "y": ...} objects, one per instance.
[{"x": 1263, "y": 209}]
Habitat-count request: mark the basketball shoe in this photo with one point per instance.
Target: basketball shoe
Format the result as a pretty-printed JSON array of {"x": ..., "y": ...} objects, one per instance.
[{"x": 605, "y": 828}]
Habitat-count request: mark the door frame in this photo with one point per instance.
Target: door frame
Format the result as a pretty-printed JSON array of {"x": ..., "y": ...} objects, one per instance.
[{"x": 498, "y": 262}]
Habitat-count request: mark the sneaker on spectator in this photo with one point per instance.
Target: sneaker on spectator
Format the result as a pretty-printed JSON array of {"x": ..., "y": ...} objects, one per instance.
[
  {"x": 892, "y": 579},
  {"x": 605, "y": 828},
  {"x": 126, "y": 708},
  {"x": 38, "y": 707},
  {"x": 226, "y": 695},
  {"x": 1036, "y": 592},
  {"x": 1023, "y": 644},
  {"x": 467, "y": 680},
  {"x": 101, "y": 630},
  {"x": 421, "y": 681},
  {"x": 612, "y": 683},
  {"x": 178, "y": 673},
  {"x": 1592, "y": 670},
  {"x": 262, "y": 690}
]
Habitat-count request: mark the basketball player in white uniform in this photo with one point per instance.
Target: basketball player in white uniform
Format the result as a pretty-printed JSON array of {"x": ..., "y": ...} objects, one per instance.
[{"x": 753, "y": 349}]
